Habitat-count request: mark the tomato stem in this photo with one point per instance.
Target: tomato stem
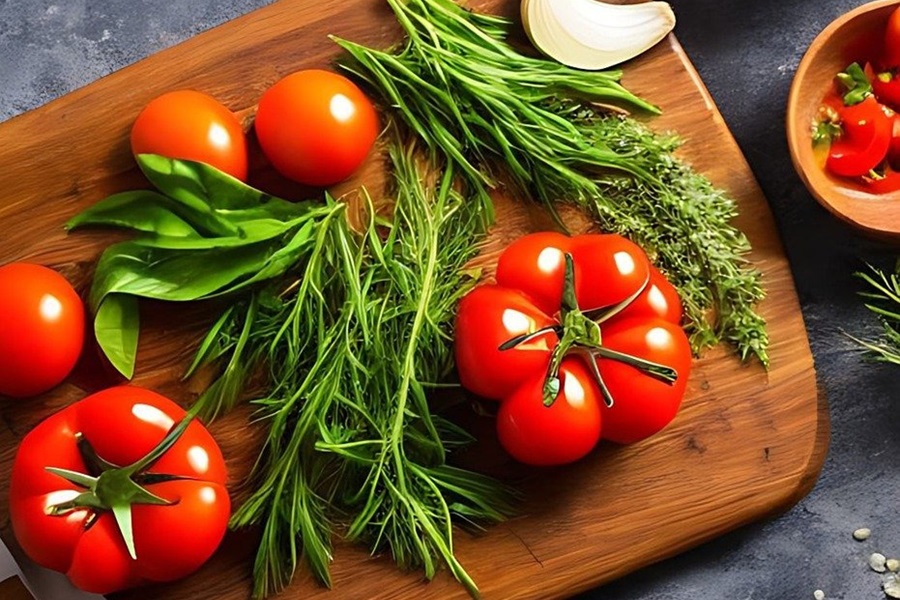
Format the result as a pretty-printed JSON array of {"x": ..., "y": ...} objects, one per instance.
[
  {"x": 94, "y": 463},
  {"x": 579, "y": 332},
  {"x": 527, "y": 337},
  {"x": 657, "y": 370}
]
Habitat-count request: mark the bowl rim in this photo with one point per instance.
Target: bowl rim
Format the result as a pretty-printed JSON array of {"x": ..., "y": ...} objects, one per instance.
[{"x": 797, "y": 133}]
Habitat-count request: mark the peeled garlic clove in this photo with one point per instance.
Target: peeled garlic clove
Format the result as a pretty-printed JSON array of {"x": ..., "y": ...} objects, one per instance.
[{"x": 589, "y": 34}]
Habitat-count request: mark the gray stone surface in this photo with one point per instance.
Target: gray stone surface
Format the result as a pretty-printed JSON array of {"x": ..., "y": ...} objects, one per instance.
[{"x": 746, "y": 53}]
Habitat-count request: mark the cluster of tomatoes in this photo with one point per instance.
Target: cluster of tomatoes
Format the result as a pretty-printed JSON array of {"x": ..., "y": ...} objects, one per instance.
[
  {"x": 127, "y": 450},
  {"x": 860, "y": 119}
]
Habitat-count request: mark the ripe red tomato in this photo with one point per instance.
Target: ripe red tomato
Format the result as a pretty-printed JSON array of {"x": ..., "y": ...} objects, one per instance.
[
  {"x": 644, "y": 405},
  {"x": 117, "y": 428},
  {"x": 191, "y": 125},
  {"x": 316, "y": 127},
  {"x": 660, "y": 299},
  {"x": 886, "y": 87},
  {"x": 562, "y": 433},
  {"x": 487, "y": 317},
  {"x": 591, "y": 300},
  {"x": 865, "y": 141},
  {"x": 41, "y": 329},
  {"x": 890, "y": 57}
]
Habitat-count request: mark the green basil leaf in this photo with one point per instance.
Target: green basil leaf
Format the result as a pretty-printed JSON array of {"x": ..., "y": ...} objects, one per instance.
[
  {"x": 164, "y": 274},
  {"x": 254, "y": 232},
  {"x": 116, "y": 327},
  {"x": 281, "y": 259},
  {"x": 188, "y": 181},
  {"x": 174, "y": 179},
  {"x": 141, "y": 210},
  {"x": 117, "y": 209}
]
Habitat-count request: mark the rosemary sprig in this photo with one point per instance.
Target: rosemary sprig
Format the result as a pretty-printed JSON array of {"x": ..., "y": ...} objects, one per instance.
[
  {"x": 474, "y": 99},
  {"x": 351, "y": 350},
  {"x": 883, "y": 299}
]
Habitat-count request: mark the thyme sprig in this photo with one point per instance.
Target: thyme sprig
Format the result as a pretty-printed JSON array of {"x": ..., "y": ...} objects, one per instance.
[
  {"x": 480, "y": 103},
  {"x": 351, "y": 350},
  {"x": 883, "y": 299}
]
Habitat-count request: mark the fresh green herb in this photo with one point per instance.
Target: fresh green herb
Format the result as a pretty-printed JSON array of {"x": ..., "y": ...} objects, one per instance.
[
  {"x": 883, "y": 299},
  {"x": 854, "y": 80},
  {"x": 827, "y": 126},
  {"x": 204, "y": 234},
  {"x": 480, "y": 103},
  {"x": 352, "y": 348}
]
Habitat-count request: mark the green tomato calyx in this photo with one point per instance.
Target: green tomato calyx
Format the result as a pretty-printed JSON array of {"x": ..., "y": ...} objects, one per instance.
[
  {"x": 110, "y": 487},
  {"x": 580, "y": 334}
]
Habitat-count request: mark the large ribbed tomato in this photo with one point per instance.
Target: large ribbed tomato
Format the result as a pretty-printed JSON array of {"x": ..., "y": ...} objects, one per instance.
[
  {"x": 558, "y": 299},
  {"x": 83, "y": 474}
]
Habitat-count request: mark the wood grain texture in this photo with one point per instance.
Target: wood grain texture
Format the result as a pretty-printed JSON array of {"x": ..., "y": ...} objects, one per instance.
[
  {"x": 747, "y": 443},
  {"x": 854, "y": 37}
]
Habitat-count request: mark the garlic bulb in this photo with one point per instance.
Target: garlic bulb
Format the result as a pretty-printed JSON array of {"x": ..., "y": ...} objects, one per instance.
[{"x": 590, "y": 34}]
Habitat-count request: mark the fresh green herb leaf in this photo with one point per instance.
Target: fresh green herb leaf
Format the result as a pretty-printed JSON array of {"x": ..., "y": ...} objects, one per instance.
[
  {"x": 883, "y": 299},
  {"x": 854, "y": 80},
  {"x": 351, "y": 349},
  {"x": 825, "y": 132},
  {"x": 116, "y": 327},
  {"x": 206, "y": 235},
  {"x": 476, "y": 100},
  {"x": 140, "y": 210}
]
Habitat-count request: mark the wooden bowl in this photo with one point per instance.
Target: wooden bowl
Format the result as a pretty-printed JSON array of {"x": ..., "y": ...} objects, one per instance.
[{"x": 852, "y": 37}]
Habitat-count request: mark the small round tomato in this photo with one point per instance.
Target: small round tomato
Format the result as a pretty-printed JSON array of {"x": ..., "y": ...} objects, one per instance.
[
  {"x": 41, "y": 329},
  {"x": 561, "y": 433},
  {"x": 190, "y": 125},
  {"x": 316, "y": 127},
  {"x": 659, "y": 299},
  {"x": 489, "y": 316}
]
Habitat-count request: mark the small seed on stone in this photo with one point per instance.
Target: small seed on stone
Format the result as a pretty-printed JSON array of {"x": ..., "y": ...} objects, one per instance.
[
  {"x": 891, "y": 586},
  {"x": 877, "y": 561},
  {"x": 861, "y": 534},
  {"x": 892, "y": 564},
  {"x": 819, "y": 595}
]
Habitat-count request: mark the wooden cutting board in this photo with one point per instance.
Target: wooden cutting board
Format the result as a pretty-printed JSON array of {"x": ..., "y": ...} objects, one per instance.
[{"x": 747, "y": 443}]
